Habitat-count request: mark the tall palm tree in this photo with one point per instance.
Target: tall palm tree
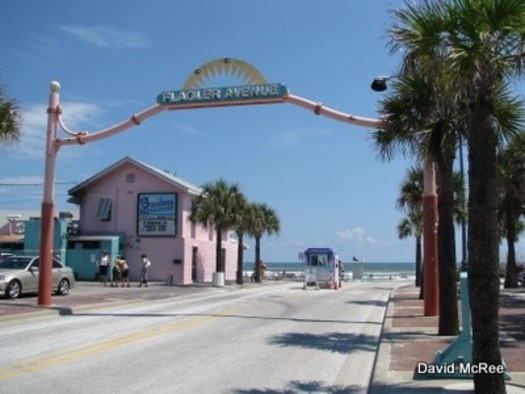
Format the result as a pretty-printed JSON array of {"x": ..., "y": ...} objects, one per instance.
[
  {"x": 263, "y": 220},
  {"x": 511, "y": 166},
  {"x": 218, "y": 206},
  {"x": 421, "y": 119},
  {"x": 410, "y": 200},
  {"x": 9, "y": 119},
  {"x": 481, "y": 42}
]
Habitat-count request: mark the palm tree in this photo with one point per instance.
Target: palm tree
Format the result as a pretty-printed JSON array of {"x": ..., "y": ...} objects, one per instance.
[
  {"x": 241, "y": 227},
  {"x": 412, "y": 224},
  {"x": 511, "y": 165},
  {"x": 218, "y": 206},
  {"x": 481, "y": 42},
  {"x": 9, "y": 119},
  {"x": 421, "y": 119},
  {"x": 262, "y": 220},
  {"x": 410, "y": 200}
]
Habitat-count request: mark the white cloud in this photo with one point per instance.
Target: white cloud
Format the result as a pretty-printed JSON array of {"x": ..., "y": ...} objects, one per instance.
[
  {"x": 357, "y": 234},
  {"x": 43, "y": 45},
  {"x": 107, "y": 37},
  {"x": 185, "y": 129},
  {"x": 34, "y": 125},
  {"x": 298, "y": 137}
]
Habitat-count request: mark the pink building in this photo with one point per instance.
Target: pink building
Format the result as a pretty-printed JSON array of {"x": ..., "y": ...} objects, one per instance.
[{"x": 148, "y": 210}]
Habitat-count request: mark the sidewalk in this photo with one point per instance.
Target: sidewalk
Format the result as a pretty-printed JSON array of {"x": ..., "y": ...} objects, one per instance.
[{"x": 409, "y": 337}]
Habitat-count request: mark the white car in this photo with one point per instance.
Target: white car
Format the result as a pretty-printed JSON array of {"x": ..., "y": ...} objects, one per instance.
[
  {"x": 19, "y": 275},
  {"x": 5, "y": 255}
]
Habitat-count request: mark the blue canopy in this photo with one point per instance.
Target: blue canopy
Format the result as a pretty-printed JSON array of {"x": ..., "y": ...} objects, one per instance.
[{"x": 319, "y": 251}]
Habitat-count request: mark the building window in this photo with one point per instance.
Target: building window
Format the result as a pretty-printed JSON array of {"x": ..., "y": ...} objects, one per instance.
[
  {"x": 104, "y": 209},
  {"x": 130, "y": 178},
  {"x": 193, "y": 230}
]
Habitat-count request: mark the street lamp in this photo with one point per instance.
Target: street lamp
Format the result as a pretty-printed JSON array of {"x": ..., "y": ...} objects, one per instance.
[
  {"x": 379, "y": 83},
  {"x": 430, "y": 225}
]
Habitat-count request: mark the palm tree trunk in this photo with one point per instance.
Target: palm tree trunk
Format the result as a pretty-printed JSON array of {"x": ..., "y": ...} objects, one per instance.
[
  {"x": 419, "y": 256},
  {"x": 511, "y": 273},
  {"x": 448, "y": 299},
  {"x": 483, "y": 240},
  {"x": 422, "y": 288},
  {"x": 219, "y": 261},
  {"x": 258, "y": 259},
  {"x": 240, "y": 258}
]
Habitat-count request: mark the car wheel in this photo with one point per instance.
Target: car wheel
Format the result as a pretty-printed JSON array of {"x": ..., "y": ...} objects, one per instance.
[
  {"x": 13, "y": 289},
  {"x": 63, "y": 287}
]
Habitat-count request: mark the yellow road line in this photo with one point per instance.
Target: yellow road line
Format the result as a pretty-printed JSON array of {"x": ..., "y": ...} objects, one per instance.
[{"x": 37, "y": 364}]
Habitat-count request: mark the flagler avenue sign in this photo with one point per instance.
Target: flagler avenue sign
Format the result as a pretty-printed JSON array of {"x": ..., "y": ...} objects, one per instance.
[{"x": 233, "y": 95}]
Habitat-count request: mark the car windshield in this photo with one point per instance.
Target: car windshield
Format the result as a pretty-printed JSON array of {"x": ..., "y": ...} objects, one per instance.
[{"x": 15, "y": 263}]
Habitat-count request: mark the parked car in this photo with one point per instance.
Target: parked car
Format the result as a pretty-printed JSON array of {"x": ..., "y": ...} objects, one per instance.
[
  {"x": 521, "y": 277},
  {"x": 19, "y": 275},
  {"x": 4, "y": 255}
]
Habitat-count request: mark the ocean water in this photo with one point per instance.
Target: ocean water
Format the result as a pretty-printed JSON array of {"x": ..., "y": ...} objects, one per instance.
[{"x": 368, "y": 268}]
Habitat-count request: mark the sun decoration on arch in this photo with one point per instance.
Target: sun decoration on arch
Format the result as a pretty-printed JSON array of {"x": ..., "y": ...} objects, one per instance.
[{"x": 224, "y": 66}]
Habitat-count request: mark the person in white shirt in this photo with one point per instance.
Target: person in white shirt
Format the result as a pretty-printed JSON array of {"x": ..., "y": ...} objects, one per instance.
[
  {"x": 103, "y": 265},
  {"x": 144, "y": 272}
]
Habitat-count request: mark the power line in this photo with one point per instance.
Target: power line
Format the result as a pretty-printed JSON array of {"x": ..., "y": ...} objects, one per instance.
[{"x": 37, "y": 184}]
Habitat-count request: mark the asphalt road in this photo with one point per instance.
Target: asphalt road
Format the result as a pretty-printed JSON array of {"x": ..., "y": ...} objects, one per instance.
[{"x": 267, "y": 339}]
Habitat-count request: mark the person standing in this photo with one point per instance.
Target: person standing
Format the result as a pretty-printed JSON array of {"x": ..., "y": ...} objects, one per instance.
[
  {"x": 341, "y": 268},
  {"x": 124, "y": 271},
  {"x": 103, "y": 265},
  {"x": 144, "y": 272},
  {"x": 262, "y": 269},
  {"x": 115, "y": 273}
]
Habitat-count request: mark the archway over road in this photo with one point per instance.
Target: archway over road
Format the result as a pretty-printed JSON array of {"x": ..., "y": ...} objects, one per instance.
[{"x": 255, "y": 90}]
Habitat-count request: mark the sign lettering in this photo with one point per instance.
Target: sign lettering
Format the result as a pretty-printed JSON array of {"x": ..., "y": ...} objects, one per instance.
[
  {"x": 157, "y": 214},
  {"x": 224, "y": 95}
]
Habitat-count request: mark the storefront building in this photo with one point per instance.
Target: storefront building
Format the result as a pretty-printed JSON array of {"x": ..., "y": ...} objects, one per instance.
[{"x": 132, "y": 208}]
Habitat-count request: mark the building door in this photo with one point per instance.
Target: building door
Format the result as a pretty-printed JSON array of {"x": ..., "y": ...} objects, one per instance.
[{"x": 194, "y": 253}]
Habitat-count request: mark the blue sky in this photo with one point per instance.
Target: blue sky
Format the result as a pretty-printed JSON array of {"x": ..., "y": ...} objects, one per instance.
[{"x": 112, "y": 59}]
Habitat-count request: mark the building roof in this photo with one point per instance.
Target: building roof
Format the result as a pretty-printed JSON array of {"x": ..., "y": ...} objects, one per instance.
[
  {"x": 12, "y": 231},
  {"x": 165, "y": 176},
  {"x": 12, "y": 239},
  {"x": 92, "y": 237},
  {"x": 6, "y": 215}
]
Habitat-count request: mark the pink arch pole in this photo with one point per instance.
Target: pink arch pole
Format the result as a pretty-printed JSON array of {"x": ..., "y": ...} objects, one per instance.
[
  {"x": 319, "y": 109},
  {"x": 53, "y": 143}
]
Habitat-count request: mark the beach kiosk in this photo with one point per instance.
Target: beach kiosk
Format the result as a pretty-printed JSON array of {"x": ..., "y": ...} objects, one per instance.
[{"x": 322, "y": 268}]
